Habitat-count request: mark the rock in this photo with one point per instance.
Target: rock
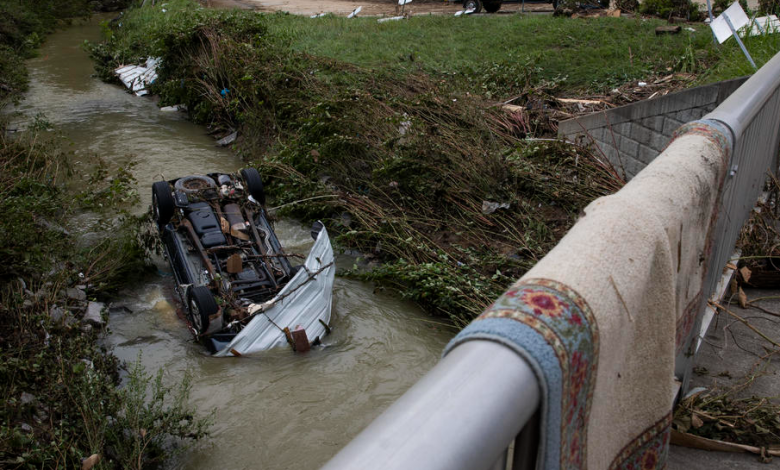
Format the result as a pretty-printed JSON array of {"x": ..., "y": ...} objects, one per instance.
[
  {"x": 227, "y": 140},
  {"x": 41, "y": 414},
  {"x": 119, "y": 308},
  {"x": 56, "y": 269},
  {"x": 57, "y": 313},
  {"x": 75, "y": 294},
  {"x": 26, "y": 427},
  {"x": 41, "y": 295},
  {"x": 27, "y": 398},
  {"x": 87, "y": 328},
  {"x": 27, "y": 304},
  {"x": 94, "y": 315}
]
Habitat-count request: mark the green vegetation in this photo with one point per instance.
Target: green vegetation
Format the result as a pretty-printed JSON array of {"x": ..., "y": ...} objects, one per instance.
[
  {"x": 62, "y": 403},
  {"x": 487, "y": 53},
  {"x": 388, "y": 132},
  {"x": 672, "y": 8},
  {"x": 590, "y": 54}
]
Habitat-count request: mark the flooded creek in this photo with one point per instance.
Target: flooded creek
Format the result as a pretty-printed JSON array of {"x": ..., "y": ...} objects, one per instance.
[{"x": 273, "y": 411}]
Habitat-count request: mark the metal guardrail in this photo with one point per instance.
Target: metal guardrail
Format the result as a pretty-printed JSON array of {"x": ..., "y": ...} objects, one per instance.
[
  {"x": 466, "y": 411},
  {"x": 462, "y": 415},
  {"x": 752, "y": 114}
]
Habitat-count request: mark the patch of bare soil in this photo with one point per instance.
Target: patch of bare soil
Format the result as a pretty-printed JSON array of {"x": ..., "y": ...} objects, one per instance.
[{"x": 369, "y": 7}]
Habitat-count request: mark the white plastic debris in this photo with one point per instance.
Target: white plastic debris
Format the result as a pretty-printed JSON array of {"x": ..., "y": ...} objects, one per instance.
[
  {"x": 488, "y": 207},
  {"x": 319, "y": 15},
  {"x": 403, "y": 2},
  {"x": 173, "y": 109},
  {"x": 764, "y": 25},
  {"x": 138, "y": 77},
  {"x": 642, "y": 83},
  {"x": 355, "y": 12},
  {"x": 391, "y": 18}
]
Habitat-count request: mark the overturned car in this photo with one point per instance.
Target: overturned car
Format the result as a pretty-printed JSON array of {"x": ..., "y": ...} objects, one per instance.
[{"x": 240, "y": 291}]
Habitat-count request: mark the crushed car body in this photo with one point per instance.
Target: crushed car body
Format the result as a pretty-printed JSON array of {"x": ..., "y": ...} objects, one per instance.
[{"x": 241, "y": 294}]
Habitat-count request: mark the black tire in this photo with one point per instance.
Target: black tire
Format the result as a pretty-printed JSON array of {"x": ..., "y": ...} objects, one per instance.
[
  {"x": 254, "y": 184},
  {"x": 316, "y": 228},
  {"x": 473, "y": 4},
  {"x": 163, "y": 204},
  {"x": 200, "y": 306},
  {"x": 492, "y": 6}
]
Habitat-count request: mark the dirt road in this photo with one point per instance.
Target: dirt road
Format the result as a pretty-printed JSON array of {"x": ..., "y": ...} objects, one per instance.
[{"x": 370, "y": 7}]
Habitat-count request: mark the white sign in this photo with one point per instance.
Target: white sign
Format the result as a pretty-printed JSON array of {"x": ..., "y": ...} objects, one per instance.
[{"x": 738, "y": 19}]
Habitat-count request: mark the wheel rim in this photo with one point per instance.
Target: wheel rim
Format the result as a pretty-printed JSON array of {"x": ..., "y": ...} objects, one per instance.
[
  {"x": 471, "y": 5},
  {"x": 196, "y": 320}
]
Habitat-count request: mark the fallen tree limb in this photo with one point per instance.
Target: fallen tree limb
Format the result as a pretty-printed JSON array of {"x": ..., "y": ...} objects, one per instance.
[{"x": 697, "y": 442}]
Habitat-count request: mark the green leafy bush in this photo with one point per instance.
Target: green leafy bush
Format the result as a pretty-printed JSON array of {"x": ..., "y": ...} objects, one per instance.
[{"x": 669, "y": 8}]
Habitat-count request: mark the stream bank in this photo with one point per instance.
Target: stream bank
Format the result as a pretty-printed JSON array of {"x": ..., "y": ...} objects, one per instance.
[
  {"x": 62, "y": 405},
  {"x": 266, "y": 409}
]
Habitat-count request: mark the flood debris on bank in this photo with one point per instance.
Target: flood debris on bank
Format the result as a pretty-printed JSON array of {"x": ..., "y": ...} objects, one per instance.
[
  {"x": 759, "y": 241},
  {"x": 138, "y": 77},
  {"x": 398, "y": 166},
  {"x": 731, "y": 419}
]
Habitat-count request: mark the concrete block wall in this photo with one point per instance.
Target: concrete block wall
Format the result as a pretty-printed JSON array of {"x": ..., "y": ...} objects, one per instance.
[{"x": 632, "y": 136}]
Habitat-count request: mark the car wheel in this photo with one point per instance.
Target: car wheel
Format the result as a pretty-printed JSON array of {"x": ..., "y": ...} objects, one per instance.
[
  {"x": 492, "y": 6},
  {"x": 163, "y": 205},
  {"x": 316, "y": 228},
  {"x": 254, "y": 184},
  {"x": 201, "y": 305},
  {"x": 195, "y": 183},
  {"x": 475, "y": 5}
]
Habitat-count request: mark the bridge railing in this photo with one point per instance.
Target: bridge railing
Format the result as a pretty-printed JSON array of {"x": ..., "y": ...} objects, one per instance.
[{"x": 476, "y": 408}]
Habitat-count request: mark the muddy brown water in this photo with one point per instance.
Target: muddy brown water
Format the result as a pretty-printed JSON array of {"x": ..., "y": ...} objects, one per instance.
[{"x": 276, "y": 410}]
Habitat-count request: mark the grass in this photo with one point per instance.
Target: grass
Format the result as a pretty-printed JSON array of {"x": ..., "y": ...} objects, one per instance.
[
  {"x": 481, "y": 54},
  {"x": 591, "y": 53}
]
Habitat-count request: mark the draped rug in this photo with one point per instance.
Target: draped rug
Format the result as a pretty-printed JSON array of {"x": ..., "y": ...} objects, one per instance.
[{"x": 601, "y": 317}]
